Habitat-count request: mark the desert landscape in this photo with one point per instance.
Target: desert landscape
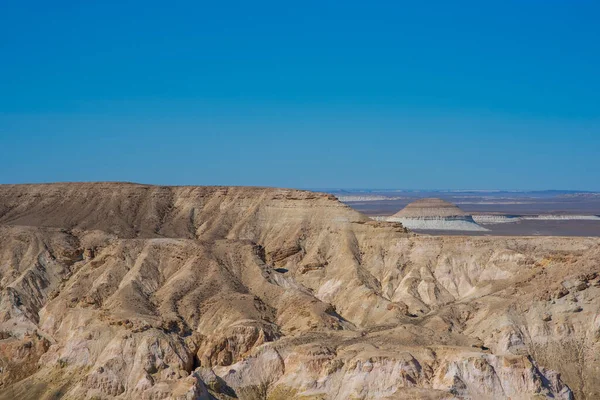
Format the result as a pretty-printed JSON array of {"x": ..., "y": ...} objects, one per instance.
[
  {"x": 207, "y": 200},
  {"x": 128, "y": 291},
  {"x": 505, "y": 213}
]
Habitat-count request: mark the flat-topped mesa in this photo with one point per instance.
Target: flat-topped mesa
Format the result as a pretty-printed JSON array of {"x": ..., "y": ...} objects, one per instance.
[
  {"x": 144, "y": 211},
  {"x": 430, "y": 208},
  {"x": 435, "y": 214}
]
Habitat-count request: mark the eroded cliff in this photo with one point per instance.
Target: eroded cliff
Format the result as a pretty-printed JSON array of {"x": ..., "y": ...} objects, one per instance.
[{"x": 112, "y": 290}]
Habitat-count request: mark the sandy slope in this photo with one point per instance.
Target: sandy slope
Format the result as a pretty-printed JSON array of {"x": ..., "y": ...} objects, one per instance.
[{"x": 112, "y": 290}]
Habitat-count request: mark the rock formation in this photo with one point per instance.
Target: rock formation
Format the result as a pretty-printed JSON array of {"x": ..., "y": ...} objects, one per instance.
[
  {"x": 111, "y": 290},
  {"x": 435, "y": 214}
]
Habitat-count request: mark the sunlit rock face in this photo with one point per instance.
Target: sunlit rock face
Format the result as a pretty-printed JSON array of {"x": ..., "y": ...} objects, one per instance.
[
  {"x": 435, "y": 214},
  {"x": 122, "y": 291}
]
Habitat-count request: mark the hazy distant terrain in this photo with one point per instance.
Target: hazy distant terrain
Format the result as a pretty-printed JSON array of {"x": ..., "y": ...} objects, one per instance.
[{"x": 542, "y": 208}]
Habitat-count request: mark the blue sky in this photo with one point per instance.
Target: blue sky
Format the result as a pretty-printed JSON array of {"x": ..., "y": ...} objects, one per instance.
[{"x": 313, "y": 94}]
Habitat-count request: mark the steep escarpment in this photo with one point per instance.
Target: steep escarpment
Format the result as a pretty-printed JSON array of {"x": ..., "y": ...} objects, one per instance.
[
  {"x": 115, "y": 290},
  {"x": 141, "y": 211}
]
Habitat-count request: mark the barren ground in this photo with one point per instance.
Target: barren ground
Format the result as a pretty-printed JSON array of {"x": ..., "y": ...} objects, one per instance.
[{"x": 113, "y": 290}]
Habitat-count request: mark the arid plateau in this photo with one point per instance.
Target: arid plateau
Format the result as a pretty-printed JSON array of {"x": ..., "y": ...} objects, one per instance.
[{"x": 127, "y": 291}]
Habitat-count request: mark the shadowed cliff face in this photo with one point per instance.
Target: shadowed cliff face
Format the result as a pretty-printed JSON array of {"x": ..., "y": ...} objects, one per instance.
[{"x": 112, "y": 290}]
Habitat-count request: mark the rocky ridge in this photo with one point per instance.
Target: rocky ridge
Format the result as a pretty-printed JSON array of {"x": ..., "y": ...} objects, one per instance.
[{"x": 112, "y": 290}]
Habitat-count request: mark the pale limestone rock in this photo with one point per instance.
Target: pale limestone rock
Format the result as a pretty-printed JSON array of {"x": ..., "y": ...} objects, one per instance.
[{"x": 194, "y": 292}]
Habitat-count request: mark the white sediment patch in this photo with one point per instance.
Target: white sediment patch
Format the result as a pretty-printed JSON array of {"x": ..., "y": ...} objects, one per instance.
[
  {"x": 462, "y": 223},
  {"x": 503, "y": 219},
  {"x": 495, "y": 219},
  {"x": 563, "y": 217}
]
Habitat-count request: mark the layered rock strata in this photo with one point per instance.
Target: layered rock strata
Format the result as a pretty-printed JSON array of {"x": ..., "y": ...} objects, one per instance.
[
  {"x": 434, "y": 214},
  {"x": 142, "y": 292}
]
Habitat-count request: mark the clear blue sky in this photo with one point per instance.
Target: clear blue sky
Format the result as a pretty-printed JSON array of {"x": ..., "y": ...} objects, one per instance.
[{"x": 312, "y": 94}]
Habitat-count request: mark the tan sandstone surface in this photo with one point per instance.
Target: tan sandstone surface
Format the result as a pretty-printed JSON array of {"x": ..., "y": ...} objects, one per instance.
[{"x": 125, "y": 291}]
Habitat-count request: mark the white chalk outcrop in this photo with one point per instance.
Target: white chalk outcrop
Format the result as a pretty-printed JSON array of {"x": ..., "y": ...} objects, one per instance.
[
  {"x": 505, "y": 219},
  {"x": 434, "y": 214}
]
